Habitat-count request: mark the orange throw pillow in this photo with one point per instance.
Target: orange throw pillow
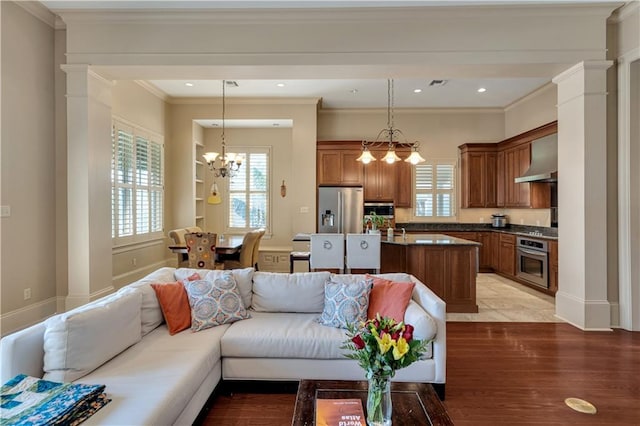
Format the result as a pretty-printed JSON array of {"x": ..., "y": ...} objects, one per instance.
[
  {"x": 174, "y": 303},
  {"x": 389, "y": 299}
]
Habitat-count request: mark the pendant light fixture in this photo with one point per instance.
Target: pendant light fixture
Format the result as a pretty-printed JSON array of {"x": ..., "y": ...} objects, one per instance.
[
  {"x": 228, "y": 163},
  {"x": 389, "y": 136}
]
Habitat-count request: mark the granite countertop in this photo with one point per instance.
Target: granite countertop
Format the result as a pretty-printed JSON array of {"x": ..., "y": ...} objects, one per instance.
[
  {"x": 525, "y": 230},
  {"x": 429, "y": 240}
]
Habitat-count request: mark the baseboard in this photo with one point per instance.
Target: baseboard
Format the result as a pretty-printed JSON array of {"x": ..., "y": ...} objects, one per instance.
[{"x": 24, "y": 317}]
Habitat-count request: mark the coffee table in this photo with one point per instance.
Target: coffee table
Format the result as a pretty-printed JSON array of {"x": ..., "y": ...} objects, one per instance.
[{"x": 413, "y": 403}]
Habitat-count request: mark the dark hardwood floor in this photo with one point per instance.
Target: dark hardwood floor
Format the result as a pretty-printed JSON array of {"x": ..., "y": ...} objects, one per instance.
[{"x": 505, "y": 374}]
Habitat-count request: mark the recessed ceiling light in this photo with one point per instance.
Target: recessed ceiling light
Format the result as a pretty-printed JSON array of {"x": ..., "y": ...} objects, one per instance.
[
  {"x": 482, "y": 90},
  {"x": 354, "y": 91},
  {"x": 189, "y": 84},
  {"x": 280, "y": 84},
  {"x": 417, "y": 90}
]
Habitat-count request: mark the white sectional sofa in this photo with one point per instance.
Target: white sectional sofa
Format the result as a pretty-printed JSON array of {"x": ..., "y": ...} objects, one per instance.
[{"x": 161, "y": 379}]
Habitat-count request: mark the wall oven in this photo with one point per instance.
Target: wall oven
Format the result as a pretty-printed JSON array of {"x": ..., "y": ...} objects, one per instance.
[{"x": 532, "y": 258}]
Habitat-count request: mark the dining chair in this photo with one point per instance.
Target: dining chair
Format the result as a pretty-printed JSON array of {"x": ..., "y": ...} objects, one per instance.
[
  {"x": 201, "y": 249},
  {"x": 363, "y": 252},
  {"x": 327, "y": 251},
  {"x": 178, "y": 239},
  {"x": 245, "y": 257},
  {"x": 256, "y": 248}
]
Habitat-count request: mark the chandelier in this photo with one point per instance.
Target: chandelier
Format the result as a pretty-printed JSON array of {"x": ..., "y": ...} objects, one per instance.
[
  {"x": 228, "y": 163},
  {"x": 389, "y": 137}
]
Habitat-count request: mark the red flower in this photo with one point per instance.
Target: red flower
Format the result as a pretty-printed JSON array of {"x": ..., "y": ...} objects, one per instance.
[
  {"x": 357, "y": 340},
  {"x": 395, "y": 335},
  {"x": 408, "y": 332}
]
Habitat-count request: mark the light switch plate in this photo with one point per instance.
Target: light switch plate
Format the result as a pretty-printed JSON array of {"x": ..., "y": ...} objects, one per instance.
[
  {"x": 5, "y": 211},
  {"x": 304, "y": 209}
]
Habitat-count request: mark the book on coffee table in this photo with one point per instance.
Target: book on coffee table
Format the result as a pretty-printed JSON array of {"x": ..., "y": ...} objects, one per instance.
[{"x": 339, "y": 412}]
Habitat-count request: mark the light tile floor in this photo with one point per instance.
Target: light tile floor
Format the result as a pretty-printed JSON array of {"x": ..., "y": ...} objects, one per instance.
[{"x": 503, "y": 300}]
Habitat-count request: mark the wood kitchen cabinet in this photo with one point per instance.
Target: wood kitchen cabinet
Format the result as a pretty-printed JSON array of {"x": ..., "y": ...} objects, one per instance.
[
  {"x": 507, "y": 265},
  {"x": 404, "y": 184},
  {"x": 488, "y": 173},
  {"x": 478, "y": 164},
  {"x": 495, "y": 251},
  {"x": 337, "y": 165},
  {"x": 379, "y": 179}
]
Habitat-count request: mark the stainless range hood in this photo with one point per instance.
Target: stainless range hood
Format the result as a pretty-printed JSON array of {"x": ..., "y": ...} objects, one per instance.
[{"x": 544, "y": 161}]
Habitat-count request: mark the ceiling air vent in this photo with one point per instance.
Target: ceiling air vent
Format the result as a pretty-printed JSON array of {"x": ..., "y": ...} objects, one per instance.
[
  {"x": 231, "y": 83},
  {"x": 437, "y": 83}
]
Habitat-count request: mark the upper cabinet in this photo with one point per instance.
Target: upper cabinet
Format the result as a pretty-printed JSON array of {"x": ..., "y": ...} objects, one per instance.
[
  {"x": 488, "y": 173},
  {"x": 478, "y": 172},
  {"x": 337, "y": 166}
]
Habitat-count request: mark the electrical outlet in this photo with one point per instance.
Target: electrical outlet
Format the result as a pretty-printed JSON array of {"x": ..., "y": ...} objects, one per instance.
[
  {"x": 304, "y": 209},
  {"x": 134, "y": 261},
  {"x": 5, "y": 211},
  {"x": 27, "y": 293}
]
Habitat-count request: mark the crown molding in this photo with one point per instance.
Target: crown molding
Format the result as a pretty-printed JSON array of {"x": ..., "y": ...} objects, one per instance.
[
  {"x": 243, "y": 101},
  {"x": 624, "y": 12},
  {"x": 461, "y": 110},
  {"x": 385, "y": 15},
  {"x": 38, "y": 10},
  {"x": 152, "y": 89},
  {"x": 529, "y": 96}
]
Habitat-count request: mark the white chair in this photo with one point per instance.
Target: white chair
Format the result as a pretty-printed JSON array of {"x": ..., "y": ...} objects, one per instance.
[
  {"x": 327, "y": 251},
  {"x": 363, "y": 252}
]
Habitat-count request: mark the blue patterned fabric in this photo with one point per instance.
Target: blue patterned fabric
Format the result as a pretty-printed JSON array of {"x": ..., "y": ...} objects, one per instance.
[
  {"x": 345, "y": 303},
  {"x": 26, "y": 400},
  {"x": 215, "y": 302}
]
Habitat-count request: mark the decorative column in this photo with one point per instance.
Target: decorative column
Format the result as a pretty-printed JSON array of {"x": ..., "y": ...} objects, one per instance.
[
  {"x": 582, "y": 196},
  {"x": 88, "y": 185},
  {"x": 628, "y": 183}
]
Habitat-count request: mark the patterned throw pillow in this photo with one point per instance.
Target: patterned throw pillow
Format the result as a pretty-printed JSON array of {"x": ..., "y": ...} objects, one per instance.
[
  {"x": 215, "y": 302},
  {"x": 345, "y": 303}
]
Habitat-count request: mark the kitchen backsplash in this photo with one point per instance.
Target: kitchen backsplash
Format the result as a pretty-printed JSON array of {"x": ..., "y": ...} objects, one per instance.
[{"x": 531, "y": 217}]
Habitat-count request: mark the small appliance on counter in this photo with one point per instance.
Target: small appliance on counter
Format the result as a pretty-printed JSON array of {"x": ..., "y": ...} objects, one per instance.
[{"x": 499, "y": 220}]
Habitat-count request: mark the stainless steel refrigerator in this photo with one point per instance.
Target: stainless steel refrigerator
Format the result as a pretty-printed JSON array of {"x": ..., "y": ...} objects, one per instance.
[{"x": 340, "y": 209}]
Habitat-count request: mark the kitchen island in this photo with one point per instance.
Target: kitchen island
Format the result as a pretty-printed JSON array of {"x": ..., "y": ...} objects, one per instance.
[{"x": 447, "y": 265}]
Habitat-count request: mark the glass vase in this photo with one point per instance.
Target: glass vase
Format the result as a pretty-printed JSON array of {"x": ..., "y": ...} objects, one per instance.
[{"x": 379, "y": 401}]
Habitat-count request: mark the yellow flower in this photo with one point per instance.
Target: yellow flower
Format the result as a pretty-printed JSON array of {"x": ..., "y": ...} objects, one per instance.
[
  {"x": 385, "y": 343},
  {"x": 400, "y": 348}
]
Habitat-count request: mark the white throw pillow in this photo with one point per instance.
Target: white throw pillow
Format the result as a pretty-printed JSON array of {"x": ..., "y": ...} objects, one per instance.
[
  {"x": 243, "y": 279},
  {"x": 424, "y": 327},
  {"x": 79, "y": 341},
  {"x": 280, "y": 292},
  {"x": 151, "y": 315}
]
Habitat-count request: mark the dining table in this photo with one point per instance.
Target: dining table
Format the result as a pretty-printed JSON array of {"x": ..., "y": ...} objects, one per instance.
[{"x": 225, "y": 244}]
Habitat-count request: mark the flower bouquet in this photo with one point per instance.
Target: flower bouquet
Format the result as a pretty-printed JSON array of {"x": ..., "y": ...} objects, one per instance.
[{"x": 381, "y": 346}]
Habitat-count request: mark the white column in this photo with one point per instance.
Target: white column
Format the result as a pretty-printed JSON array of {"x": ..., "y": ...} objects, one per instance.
[
  {"x": 628, "y": 184},
  {"x": 88, "y": 185},
  {"x": 582, "y": 195}
]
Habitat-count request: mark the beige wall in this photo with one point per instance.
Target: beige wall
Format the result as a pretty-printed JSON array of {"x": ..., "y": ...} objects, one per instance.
[
  {"x": 28, "y": 167},
  {"x": 440, "y": 132},
  {"x": 294, "y": 159},
  {"x": 138, "y": 106},
  {"x": 282, "y": 209},
  {"x": 532, "y": 111}
]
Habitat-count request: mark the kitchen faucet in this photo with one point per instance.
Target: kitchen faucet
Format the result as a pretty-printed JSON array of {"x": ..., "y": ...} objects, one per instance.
[{"x": 404, "y": 235}]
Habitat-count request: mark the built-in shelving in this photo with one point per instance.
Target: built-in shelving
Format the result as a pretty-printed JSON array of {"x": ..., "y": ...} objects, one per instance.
[{"x": 199, "y": 183}]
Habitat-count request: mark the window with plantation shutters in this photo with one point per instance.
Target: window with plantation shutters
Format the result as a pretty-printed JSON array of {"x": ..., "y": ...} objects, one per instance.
[
  {"x": 435, "y": 190},
  {"x": 249, "y": 193},
  {"x": 137, "y": 183}
]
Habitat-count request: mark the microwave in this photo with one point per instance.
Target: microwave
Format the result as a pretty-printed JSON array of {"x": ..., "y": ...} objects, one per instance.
[{"x": 385, "y": 210}]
